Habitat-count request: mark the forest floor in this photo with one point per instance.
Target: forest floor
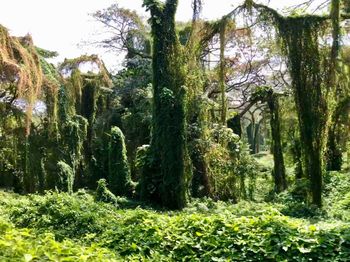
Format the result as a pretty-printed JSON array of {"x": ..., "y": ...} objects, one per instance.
[{"x": 63, "y": 227}]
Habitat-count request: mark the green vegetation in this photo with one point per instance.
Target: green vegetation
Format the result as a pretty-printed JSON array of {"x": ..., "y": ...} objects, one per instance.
[
  {"x": 75, "y": 226},
  {"x": 119, "y": 171},
  {"x": 215, "y": 142}
]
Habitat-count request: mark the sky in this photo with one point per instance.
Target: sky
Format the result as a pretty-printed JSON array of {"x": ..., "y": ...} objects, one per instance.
[{"x": 63, "y": 25}]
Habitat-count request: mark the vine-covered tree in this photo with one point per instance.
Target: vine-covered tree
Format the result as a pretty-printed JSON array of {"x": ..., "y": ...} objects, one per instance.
[
  {"x": 313, "y": 80},
  {"x": 164, "y": 181}
]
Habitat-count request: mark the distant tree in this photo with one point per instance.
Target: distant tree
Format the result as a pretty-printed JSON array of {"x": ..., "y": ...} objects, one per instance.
[{"x": 124, "y": 31}]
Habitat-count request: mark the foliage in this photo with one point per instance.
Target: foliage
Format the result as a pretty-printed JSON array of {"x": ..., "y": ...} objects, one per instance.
[
  {"x": 168, "y": 144},
  {"x": 168, "y": 111},
  {"x": 25, "y": 245},
  {"x": 119, "y": 170},
  {"x": 313, "y": 72},
  {"x": 232, "y": 170},
  {"x": 133, "y": 90},
  {"x": 71, "y": 216},
  {"x": 124, "y": 31},
  {"x": 103, "y": 194},
  {"x": 66, "y": 177},
  {"x": 20, "y": 67},
  {"x": 204, "y": 231},
  {"x": 337, "y": 195}
]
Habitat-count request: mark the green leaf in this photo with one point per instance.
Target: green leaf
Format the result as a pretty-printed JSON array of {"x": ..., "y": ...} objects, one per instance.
[{"x": 28, "y": 257}]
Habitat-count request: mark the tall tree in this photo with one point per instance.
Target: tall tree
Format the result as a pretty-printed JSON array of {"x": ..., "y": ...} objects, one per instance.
[
  {"x": 313, "y": 77},
  {"x": 164, "y": 181}
]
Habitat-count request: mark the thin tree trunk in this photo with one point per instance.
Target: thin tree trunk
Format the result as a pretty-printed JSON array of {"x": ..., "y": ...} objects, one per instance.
[{"x": 279, "y": 172}]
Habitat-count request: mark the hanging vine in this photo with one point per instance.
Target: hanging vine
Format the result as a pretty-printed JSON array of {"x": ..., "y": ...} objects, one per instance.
[{"x": 309, "y": 66}]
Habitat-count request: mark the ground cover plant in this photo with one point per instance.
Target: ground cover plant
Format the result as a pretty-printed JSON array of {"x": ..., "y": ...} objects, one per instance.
[{"x": 217, "y": 140}]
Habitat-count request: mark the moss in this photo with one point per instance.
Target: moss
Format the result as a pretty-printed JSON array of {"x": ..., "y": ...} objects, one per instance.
[
  {"x": 21, "y": 77},
  {"x": 71, "y": 145},
  {"x": 83, "y": 95},
  {"x": 50, "y": 91},
  {"x": 19, "y": 65},
  {"x": 279, "y": 171},
  {"x": 267, "y": 94},
  {"x": 69, "y": 65}
]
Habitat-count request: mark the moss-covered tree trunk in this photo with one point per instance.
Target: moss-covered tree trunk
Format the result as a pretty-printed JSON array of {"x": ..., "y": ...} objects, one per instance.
[
  {"x": 311, "y": 104},
  {"x": 253, "y": 135},
  {"x": 200, "y": 185},
  {"x": 168, "y": 134},
  {"x": 336, "y": 135},
  {"x": 334, "y": 152},
  {"x": 279, "y": 172}
]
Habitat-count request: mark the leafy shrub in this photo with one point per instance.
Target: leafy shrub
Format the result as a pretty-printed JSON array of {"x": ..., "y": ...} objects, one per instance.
[
  {"x": 337, "y": 196},
  {"x": 25, "y": 245},
  {"x": 205, "y": 231},
  {"x": 103, "y": 194},
  {"x": 28, "y": 245},
  {"x": 66, "y": 177},
  {"x": 119, "y": 171},
  {"x": 71, "y": 216},
  {"x": 232, "y": 170}
]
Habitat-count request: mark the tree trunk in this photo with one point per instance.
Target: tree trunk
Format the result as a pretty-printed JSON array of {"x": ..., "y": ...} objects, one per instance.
[
  {"x": 279, "y": 172},
  {"x": 167, "y": 184},
  {"x": 334, "y": 153}
]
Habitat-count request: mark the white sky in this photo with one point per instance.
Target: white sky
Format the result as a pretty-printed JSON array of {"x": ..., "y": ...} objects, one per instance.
[{"x": 60, "y": 25}]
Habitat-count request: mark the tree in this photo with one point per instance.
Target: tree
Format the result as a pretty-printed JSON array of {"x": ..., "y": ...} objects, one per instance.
[
  {"x": 167, "y": 173},
  {"x": 125, "y": 31},
  {"x": 313, "y": 78}
]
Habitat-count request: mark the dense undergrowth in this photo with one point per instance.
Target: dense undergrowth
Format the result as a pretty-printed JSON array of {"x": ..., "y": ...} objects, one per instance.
[{"x": 63, "y": 227}]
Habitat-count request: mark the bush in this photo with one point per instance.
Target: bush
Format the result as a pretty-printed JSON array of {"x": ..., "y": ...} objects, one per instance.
[
  {"x": 205, "y": 231},
  {"x": 66, "y": 177},
  {"x": 119, "y": 171},
  {"x": 25, "y": 245},
  {"x": 103, "y": 194},
  {"x": 30, "y": 245},
  {"x": 71, "y": 216}
]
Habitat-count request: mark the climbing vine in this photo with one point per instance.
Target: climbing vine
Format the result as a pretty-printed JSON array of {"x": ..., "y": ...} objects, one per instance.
[
  {"x": 309, "y": 64},
  {"x": 167, "y": 175}
]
